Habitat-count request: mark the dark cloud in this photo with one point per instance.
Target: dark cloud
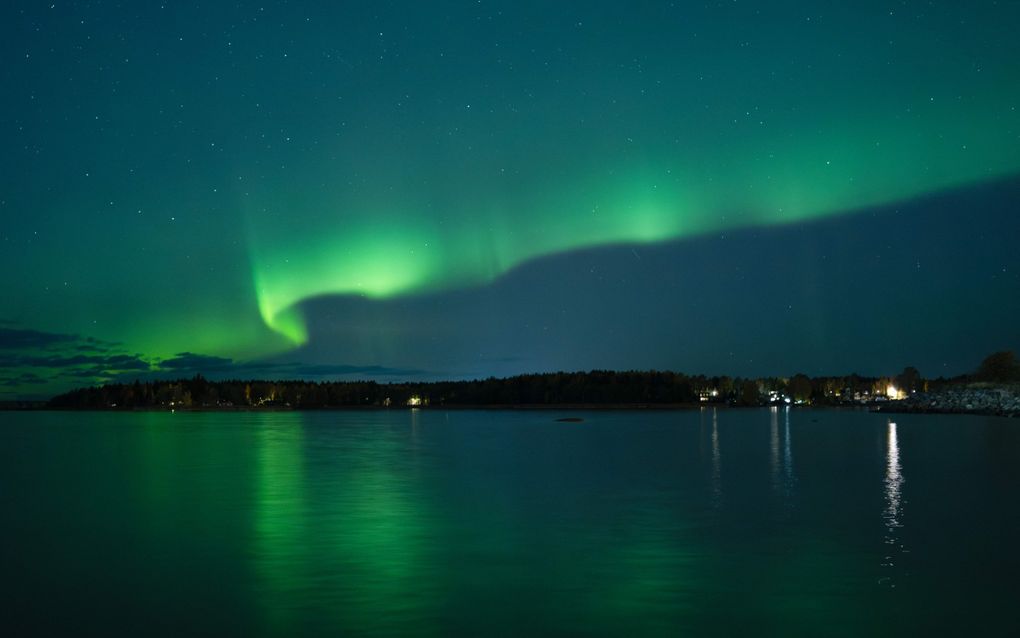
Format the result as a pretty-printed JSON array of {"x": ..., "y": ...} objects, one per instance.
[
  {"x": 89, "y": 348},
  {"x": 17, "y": 338},
  {"x": 103, "y": 362},
  {"x": 27, "y": 378},
  {"x": 326, "y": 370},
  {"x": 190, "y": 363},
  {"x": 12, "y": 338},
  {"x": 31, "y": 358}
]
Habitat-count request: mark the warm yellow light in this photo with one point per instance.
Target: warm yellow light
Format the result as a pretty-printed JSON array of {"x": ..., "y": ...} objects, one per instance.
[{"x": 893, "y": 393}]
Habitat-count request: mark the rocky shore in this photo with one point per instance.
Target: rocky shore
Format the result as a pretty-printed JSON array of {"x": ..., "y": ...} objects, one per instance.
[{"x": 996, "y": 401}]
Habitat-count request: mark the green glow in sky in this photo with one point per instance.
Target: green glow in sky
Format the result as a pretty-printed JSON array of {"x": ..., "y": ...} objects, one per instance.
[
  {"x": 189, "y": 190},
  {"x": 766, "y": 173}
]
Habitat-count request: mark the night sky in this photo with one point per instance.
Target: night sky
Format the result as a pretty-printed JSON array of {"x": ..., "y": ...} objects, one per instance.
[{"x": 432, "y": 190}]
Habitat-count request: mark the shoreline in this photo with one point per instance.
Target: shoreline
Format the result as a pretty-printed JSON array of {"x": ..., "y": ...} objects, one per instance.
[
  {"x": 979, "y": 402},
  {"x": 536, "y": 407},
  {"x": 1003, "y": 401},
  {"x": 402, "y": 408}
]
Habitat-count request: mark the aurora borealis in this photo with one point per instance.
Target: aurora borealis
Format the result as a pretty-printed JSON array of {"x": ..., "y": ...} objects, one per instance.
[{"x": 462, "y": 189}]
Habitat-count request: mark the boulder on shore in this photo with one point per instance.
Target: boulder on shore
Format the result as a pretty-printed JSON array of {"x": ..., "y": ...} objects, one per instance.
[{"x": 997, "y": 401}]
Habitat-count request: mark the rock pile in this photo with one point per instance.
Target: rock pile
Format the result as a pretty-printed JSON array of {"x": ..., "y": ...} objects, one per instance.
[{"x": 998, "y": 401}]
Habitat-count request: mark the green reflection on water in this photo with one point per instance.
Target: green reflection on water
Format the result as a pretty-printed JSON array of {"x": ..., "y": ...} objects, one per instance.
[
  {"x": 354, "y": 532},
  {"x": 338, "y": 529},
  {"x": 475, "y": 523},
  {"x": 280, "y": 528}
]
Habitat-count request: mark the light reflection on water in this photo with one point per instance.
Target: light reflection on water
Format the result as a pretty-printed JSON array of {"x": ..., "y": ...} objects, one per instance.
[
  {"x": 790, "y": 481},
  {"x": 716, "y": 461},
  {"x": 466, "y": 523},
  {"x": 280, "y": 525},
  {"x": 781, "y": 468},
  {"x": 892, "y": 515},
  {"x": 774, "y": 447},
  {"x": 339, "y": 525},
  {"x": 788, "y": 452}
]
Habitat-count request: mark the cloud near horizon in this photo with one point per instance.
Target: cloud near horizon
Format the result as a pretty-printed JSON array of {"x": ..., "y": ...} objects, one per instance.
[
  {"x": 36, "y": 363},
  {"x": 190, "y": 363}
]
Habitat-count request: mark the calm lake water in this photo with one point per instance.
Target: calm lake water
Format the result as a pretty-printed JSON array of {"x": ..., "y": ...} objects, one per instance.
[{"x": 480, "y": 523}]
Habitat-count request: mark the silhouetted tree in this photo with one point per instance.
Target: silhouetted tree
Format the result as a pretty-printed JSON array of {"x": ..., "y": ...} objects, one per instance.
[
  {"x": 800, "y": 387},
  {"x": 999, "y": 367},
  {"x": 909, "y": 380},
  {"x": 749, "y": 392}
]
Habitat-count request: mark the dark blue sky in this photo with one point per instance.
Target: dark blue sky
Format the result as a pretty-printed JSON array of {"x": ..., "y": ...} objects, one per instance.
[{"x": 461, "y": 189}]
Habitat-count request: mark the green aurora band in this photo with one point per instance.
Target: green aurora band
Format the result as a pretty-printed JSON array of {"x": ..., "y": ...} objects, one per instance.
[
  {"x": 190, "y": 190},
  {"x": 414, "y": 240}
]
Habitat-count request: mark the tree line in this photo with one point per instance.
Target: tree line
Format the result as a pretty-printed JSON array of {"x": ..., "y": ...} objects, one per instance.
[{"x": 597, "y": 387}]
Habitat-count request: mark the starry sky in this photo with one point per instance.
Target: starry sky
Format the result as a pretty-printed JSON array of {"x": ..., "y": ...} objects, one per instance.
[{"x": 434, "y": 190}]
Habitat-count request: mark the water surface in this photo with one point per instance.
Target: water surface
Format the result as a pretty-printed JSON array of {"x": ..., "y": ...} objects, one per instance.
[{"x": 753, "y": 522}]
